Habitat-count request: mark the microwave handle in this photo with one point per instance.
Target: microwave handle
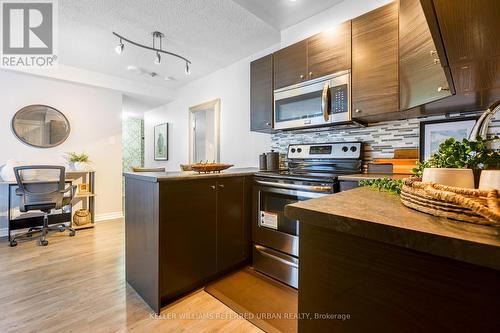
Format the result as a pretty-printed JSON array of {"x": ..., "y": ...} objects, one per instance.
[{"x": 325, "y": 102}]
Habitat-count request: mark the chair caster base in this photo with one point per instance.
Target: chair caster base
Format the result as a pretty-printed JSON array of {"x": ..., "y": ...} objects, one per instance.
[
  {"x": 72, "y": 234},
  {"x": 44, "y": 242},
  {"x": 13, "y": 243}
]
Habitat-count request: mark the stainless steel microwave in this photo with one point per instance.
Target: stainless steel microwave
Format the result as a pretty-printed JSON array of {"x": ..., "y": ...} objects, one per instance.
[{"x": 322, "y": 101}]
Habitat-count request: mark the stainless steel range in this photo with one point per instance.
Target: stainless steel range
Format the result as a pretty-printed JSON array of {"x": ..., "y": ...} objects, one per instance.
[{"x": 312, "y": 173}]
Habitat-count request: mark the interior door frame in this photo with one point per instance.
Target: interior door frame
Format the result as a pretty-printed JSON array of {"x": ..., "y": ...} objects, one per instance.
[{"x": 215, "y": 105}]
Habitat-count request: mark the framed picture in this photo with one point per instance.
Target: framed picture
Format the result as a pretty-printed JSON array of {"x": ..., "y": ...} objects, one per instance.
[
  {"x": 435, "y": 132},
  {"x": 83, "y": 188},
  {"x": 161, "y": 142}
]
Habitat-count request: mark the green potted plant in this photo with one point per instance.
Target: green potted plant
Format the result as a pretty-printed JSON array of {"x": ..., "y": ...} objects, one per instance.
[
  {"x": 457, "y": 160},
  {"x": 78, "y": 162},
  {"x": 453, "y": 161}
]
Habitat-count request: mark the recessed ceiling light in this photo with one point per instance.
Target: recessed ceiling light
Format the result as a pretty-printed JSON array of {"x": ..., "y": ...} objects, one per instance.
[{"x": 168, "y": 78}]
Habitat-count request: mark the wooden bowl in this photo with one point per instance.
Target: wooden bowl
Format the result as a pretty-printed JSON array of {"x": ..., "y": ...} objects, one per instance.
[
  {"x": 210, "y": 167},
  {"x": 186, "y": 167}
]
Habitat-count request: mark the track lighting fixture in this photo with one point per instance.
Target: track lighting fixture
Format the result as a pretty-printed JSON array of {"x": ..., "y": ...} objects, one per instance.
[
  {"x": 119, "y": 47},
  {"x": 157, "y": 38},
  {"x": 158, "y": 58}
]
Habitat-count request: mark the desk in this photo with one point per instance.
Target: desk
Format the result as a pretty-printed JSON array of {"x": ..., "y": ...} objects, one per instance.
[{"x": 28, "y": 220}]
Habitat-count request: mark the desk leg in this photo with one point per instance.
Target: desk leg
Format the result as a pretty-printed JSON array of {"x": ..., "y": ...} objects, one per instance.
[
  {"x": 91, "y": 199},
  {"x": 9, "y": 203}
]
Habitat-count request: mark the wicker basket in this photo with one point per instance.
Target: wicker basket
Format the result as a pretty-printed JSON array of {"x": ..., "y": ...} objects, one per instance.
[
  {"x": 475, "y": 206},
  {"x": 82, "y": 217}
]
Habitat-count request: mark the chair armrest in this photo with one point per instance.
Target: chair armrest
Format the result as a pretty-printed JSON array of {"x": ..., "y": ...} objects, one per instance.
[
  {"x": 72, "y": 188},
  {"x": 20, "y": 192}
]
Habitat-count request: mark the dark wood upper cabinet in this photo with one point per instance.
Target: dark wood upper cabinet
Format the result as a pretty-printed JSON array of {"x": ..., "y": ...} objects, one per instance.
[
  {"x": 422, "y": 78},
  {"x": 290, "y": 65},
  {"x": 261, "y": 94},
  {"x": 375, "y": 62},
  {"x": 232, "y": 233},
  {"x": 470, "y": 31},
  {"x": 329, "y": 52}
]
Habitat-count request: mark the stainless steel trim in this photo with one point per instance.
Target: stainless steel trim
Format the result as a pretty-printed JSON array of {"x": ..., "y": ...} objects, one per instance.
[
  {"x": 312, "y": 188},
  {"x": 276, "y": 265},
  {"x": 264, "y": 251},
  {"x": 325, "y": 102}
]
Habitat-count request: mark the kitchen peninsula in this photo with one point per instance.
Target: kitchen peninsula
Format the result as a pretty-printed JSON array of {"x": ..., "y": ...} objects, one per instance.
[
  {"x": 183, "y": 229},
  {"x": 391, "y": 268}
]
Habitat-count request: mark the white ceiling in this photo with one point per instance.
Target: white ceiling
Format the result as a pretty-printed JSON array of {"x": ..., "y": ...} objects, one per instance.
[
  {"x": 211, "y": 33},
  {"x": 282, "y": 14}
]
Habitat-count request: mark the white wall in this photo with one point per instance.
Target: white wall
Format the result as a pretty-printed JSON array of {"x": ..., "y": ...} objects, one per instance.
[
  {"x": 95, "y": 118},
  {"x": 238, "y": 145}
]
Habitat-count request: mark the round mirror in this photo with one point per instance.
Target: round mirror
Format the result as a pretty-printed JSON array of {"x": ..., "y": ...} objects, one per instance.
[{"x": 40, "y": 126}]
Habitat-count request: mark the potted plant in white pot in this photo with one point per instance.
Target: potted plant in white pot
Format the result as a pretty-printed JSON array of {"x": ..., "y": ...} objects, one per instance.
[
  {"x": 78, "y": 162},
  {"x": 459, "y": 163}
]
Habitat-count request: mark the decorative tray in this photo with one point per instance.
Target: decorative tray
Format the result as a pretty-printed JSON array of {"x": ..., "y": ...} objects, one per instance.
[
  {"x": 469, "y": 205},
  {"x": 210, "y": 167}
]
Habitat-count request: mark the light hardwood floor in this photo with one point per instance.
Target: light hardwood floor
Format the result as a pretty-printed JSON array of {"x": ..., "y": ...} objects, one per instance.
[{"x": 78, "y": 285}]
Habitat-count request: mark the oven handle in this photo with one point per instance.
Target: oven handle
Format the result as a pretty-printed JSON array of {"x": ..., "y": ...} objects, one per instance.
[
  {"x": 312, "y": 188},
  {"x": 263, "y": 251},
  {"x": 325, "y": 102}
]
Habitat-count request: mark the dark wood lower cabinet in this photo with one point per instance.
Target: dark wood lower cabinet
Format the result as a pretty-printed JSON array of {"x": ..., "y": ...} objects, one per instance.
[
  {"x": 232, "y": 231},
  {"x": 181, "y": 234},
  {"x": 188, "y": 235},
  {"x": 376, "y": 287}
]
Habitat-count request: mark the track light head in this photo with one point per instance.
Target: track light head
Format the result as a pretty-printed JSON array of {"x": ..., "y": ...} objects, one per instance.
[
  {"x": 158, "y": 58},
  {"x": 188, "y": 70},
  {"x": 119, "y": 47}
]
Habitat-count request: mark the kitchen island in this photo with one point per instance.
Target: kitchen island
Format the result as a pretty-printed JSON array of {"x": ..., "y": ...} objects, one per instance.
[
  {"x": 365, "y": 256},
  {"x": 183, "y": 229}
]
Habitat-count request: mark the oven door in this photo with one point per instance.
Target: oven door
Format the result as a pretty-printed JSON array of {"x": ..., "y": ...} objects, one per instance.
[
  {"x": 317, "y": 102},
  {"x": 270, "y": 227}
]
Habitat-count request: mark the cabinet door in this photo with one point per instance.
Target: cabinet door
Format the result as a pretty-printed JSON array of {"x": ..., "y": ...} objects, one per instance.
[
  {"x": 329, "y": 52},
  {"x": 375, "y": 61},
  {"x": 422, "y": 78},
  {"x": 187, "y": 235},
  {"x": 261, "y": 94},
  {"x": 290, "y": 65},
  {"x": 470, "y": 32},
  {"x": 232, "y": 238}
]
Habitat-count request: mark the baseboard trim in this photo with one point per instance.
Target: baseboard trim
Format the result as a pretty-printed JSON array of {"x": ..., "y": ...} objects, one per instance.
[
  {"x": 98, "y": 218},
  {"x": 108, "y": 216}
]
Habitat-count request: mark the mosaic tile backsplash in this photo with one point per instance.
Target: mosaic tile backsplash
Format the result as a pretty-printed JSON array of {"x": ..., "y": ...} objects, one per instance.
[{"x": 380, "y": 138}]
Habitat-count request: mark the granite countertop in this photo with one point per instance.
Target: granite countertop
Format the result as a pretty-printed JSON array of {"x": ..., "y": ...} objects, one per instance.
[
  {"x": 183, "y": 175},
  {"x": 381, "y": 216},
  {"x": 369, "y": 176}
]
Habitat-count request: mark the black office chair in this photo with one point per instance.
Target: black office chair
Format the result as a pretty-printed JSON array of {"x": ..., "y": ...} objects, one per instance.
[{"x": 43, "y": 195}]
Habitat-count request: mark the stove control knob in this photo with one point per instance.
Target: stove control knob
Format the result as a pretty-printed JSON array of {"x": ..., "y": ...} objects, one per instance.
[
  {"x": 292, "y": 150},
  {"x": 354, "y": 148},
  {"x": 299, "y": 150},
  {"x": 345, "y": 149}
]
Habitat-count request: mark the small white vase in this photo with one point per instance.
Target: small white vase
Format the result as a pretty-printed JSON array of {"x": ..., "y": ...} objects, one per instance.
[
  {"x": 490, "y": 179},
  {"x": 463, "y": 178}
]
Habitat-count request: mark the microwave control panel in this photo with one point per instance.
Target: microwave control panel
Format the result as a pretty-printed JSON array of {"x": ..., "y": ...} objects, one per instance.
[{"x": 339, "y": 99}]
